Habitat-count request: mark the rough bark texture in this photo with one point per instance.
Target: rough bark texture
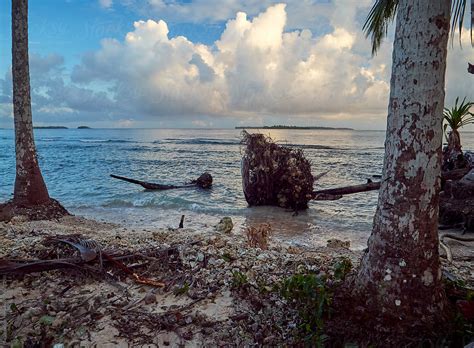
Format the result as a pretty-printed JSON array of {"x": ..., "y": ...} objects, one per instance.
[
  {"x": 30, "y": 197},
  {"x": 452, "y": 154},
  {"x": 30, "y": 188},
  {"x": 401, "y": 268}
]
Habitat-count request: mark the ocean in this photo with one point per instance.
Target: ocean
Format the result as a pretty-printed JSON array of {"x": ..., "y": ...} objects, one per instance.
[{"x": 76, "y": 164}]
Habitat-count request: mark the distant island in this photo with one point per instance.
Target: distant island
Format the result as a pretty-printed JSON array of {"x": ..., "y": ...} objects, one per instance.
[
  {"x": 83, "y": 127},
  {"x": 50, "y": 127},
  {"x": 293, "y": 127}
]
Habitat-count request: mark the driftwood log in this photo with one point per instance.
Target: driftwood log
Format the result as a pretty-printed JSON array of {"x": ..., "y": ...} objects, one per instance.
[
  {"x": 347, "y": 190},
  {"x": 370, "y": 186},
  {"x": 204, "y": 181}
]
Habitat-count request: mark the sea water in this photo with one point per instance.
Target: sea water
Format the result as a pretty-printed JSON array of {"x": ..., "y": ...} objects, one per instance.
[{"x": 76, "y": 164}]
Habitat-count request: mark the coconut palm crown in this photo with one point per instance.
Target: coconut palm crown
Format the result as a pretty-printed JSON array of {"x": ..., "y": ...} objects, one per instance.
[{"x": 383, "y": 13}]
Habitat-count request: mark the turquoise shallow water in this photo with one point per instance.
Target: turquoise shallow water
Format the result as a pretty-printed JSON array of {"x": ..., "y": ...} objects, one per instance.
[{"x": 76, "y": 165}]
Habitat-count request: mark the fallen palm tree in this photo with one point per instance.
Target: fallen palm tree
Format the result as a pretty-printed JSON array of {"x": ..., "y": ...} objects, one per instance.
[
  {"x": 347, "y": 190},
  {"x": 375, "y": 185},
  {"x": 274, "y": 174},
  {"x": 204, "y": 181}
]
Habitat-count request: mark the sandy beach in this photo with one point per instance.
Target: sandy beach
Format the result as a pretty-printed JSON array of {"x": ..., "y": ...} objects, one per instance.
[{"x": 218, "y": 290}]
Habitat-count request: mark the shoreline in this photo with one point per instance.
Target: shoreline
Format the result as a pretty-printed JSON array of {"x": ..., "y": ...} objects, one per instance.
[
  {"x": 218, "y": 289},
  {"x": 209, "y": 264},
  {"x": 305, "y": 230}
]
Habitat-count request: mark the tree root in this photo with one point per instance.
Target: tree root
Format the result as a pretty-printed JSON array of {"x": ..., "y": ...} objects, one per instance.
[
  {"x": 447, "y": 249},
  {"x": 49, "y": 210}
]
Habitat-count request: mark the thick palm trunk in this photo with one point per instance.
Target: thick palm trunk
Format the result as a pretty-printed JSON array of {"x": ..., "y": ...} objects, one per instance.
[
  {"x": 401, "y": 268},
  {"x": 30, "y": 188}
]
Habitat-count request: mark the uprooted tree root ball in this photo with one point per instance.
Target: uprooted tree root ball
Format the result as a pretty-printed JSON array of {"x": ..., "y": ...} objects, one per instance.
[
  {"x": 49, "y": 210},
  {"x": 275, "y": 175}
]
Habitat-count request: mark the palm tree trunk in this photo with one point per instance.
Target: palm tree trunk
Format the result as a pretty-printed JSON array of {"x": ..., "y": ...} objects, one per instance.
[
  {"x": 452, "y": 151},
  {"x": 30, "y": 188},
  {"x": 401, "y": 267}
]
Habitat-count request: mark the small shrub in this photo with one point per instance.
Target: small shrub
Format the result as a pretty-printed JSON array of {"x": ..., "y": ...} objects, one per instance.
[
  {"x": 311, "y": 298},
  {"x": 342, "y": 268},
  {"x": 239, "y": 279},
  {"x": 257, "y": 237}
]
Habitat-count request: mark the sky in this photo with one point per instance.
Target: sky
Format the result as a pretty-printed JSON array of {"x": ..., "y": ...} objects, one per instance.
[{"x": 199, "y": 64}]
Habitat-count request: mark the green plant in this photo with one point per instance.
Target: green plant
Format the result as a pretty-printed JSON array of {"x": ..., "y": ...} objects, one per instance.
[
  {"x": 383, "y": 13},
  {"x": 239, "y": 279},
  {"x": 311, "y": 298},
  {"x": 182, "y": 290},
  {"x": 342, "y": 268},
  {"x": 459, "y": 115}
]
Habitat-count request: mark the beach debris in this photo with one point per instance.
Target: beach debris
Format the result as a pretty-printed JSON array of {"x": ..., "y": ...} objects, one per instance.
[
  {"x": 225, "y": 225},
  {"x": 139, "y": 279},
  {"x": 325, "y": 197},
  {"x": 204, "y": 263},
  {"x": 337, "y": 243},
  {"x": 89, "y": 251},
  {"x": 88, "y": 248},
  {"x": 181, "y": 222},
  {"x": 150, "y": 298},
  {"x": 203, "y": 181},
  {"x": 33, "y": 266},
  {"x": 457, "y": 202},
  {"x": 275, "y": 175},
  {"x": 339, "y": 192},
  {"x": 346, "y": 190},
  {"x": 447, "y": 249},
  {"x": 258, "y": 236}
]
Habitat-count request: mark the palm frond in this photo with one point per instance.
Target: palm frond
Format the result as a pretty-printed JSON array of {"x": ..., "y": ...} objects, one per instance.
[
  {"x": 458, "y": 9},
  {"x": 377, "y": 22},
  {"x": 472, "y": 18},
  {"x": 383, "y": 12},
  {"x": 459, "y": 115}
]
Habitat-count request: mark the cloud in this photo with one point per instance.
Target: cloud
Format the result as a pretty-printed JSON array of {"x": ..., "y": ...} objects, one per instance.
[
  {"x": 106, "y": 3},
  {"x": 301, "y": 14},
  {"x": 54, "y": 98},
  {"x": 256, "y": 67},
  {"x": 459, "y": 81},
  {"x": 45, "y": 65},
  {"x": 307, "y": 60}
]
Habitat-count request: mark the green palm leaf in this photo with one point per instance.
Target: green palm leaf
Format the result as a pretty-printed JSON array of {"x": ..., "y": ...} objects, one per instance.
[
  {"x": 383, "y": 13},
  {"x": 457, "y": 17},
  {"x": 380, "y": 17},
  {"x": 459, "y": 115}
]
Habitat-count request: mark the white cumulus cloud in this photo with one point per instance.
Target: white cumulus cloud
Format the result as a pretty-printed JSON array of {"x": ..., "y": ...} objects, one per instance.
[
  {"x": 305, "y": 62},
  {"x": 256, "y": 67}
]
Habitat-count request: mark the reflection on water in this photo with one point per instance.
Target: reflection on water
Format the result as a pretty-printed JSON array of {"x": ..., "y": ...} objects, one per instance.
[{"x": 76, "y": 165}]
